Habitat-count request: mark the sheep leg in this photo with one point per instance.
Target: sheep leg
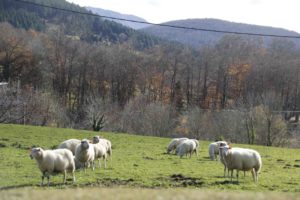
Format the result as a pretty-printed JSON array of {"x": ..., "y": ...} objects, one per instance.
[
  {"x": 231, "y": 175},
  {"x": 43, "y": 177},
  {"x": 104, "y": 162},
  {"x": 224, "y": 171},
  {"x": 65, "y": 176},
  {"x": 237, "y": 175},
  {"x": 99, "y": 162},
  {"x": 93, "y": 165},
  {"x": 254, "y": 175},
  {"x": 73, "y": 174},
  {"x": 48, "y": 178}
]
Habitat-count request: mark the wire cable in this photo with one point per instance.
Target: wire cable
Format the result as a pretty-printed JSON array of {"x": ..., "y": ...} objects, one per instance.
[{"x": 162, "y": 25}]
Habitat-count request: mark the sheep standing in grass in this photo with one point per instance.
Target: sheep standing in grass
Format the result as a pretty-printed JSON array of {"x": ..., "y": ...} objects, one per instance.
[
  {"x": 213, "y": 149},
  {"x": 174, "y": 144},
  {"x": 85, "y": 154},
  {"x": 69, "y": 144},
  {"x": 223, "y": 160},
  {"x": 53, "y": 161},
  {"x": 242, "y": 160},
  {"x": 187, "y": 147},
  {"x": 100, "y": 152},
  {"x": 106, "y": 143}
]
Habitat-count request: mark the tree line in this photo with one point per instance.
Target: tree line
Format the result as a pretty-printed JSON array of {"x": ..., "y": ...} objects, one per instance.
[{"x": 235, "y": 89}]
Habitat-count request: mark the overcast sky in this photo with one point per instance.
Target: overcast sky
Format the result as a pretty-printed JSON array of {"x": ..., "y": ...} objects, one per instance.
[{"x": 275, "y": 13}]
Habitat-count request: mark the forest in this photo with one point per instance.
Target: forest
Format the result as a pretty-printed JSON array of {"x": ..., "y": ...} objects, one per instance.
[{"x": 238, "y": 89}]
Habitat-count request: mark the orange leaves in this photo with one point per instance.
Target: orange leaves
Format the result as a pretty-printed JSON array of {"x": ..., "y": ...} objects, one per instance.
[
  {"x": 238, "y": 74},
  {"x": 239, "y": 69}
]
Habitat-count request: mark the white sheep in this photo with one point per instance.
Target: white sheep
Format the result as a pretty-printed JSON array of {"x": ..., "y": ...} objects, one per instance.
[
  {"x": 100, "y": 152},
  {"x": 223, "y": 160},
  {"x": 106, "y": 143},
  {"x": 174, "y": 144},
  {"x": 53, "y": 161},
  {"x": 69, "y": 144},
  {"x": 213, "y": 149},
  {"x": 85, "y": 154},
  {"x": 242, "y": 160},
  {"x": 187, "y": 147}
]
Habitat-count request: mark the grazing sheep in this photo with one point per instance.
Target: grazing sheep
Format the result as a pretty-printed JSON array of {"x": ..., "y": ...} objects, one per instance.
[
  {"x": 242, "y": 159},
  {"x": 69, "y": 144},
  {"x": 53, "y": 161},
  {"x": 174, "y": 144},
  {"x": 187, "y": 147},
  {"x": 85, "y": 154},
  {"x": 100, "y": 152},
  {"x": 213, "y": 149},
  {"x": 106, "y": 143}
]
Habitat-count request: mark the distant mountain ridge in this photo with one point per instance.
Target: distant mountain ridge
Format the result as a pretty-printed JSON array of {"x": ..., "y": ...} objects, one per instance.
[
  {"x": 198, "y": 38},
  {"x": 110, "y": 13}
]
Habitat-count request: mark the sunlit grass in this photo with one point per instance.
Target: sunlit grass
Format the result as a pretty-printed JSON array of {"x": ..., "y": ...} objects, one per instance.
[{"x": 140, "y": 161}]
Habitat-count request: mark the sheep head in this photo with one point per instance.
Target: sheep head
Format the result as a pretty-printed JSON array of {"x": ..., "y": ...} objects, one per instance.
[
  {"x": 36, "y": 153},
  {"x": 96, "y": 139},
  {"x": 85, "y": 144}
]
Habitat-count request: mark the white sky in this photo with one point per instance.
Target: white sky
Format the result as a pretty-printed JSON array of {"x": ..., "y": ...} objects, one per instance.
[{"x": 275, "y": 13}]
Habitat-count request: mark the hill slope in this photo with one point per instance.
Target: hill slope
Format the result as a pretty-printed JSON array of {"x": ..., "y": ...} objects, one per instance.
[
  {"x": 89, "y": 28},
  {"x": 140, "y": 161},
  {"x": 199, "y": 38},
  {"x": 110, "y": 13}
]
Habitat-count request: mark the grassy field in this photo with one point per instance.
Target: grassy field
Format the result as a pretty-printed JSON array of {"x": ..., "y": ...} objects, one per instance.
[{"x": 141, "y": 162}]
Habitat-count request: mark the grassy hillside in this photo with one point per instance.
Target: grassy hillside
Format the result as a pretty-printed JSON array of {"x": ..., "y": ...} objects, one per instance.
[{"x": 140, "y": 161}]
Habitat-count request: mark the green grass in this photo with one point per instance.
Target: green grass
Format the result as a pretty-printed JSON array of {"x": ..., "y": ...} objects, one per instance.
[{"x": 141, "y": 162}]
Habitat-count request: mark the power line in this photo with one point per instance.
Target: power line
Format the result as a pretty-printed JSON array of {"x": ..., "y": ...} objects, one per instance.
[{"x": 163, "y": 25}]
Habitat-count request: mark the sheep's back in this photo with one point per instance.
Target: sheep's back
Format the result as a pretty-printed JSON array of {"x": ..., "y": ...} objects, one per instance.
[
  {"x": 56, "y": 160},
  {"x": 99, "y": 149},
  {"x": 186, "y": 147},
  {"x": 242, "y": 159},
  {"x": 70, "y": 144}
]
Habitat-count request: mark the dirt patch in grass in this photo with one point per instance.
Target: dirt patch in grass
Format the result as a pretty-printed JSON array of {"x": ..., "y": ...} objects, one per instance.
[
  {"x": 180, "y": 180},
  {"x": 114, "y": 182},
  {"x": 2, "y": 145}
]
